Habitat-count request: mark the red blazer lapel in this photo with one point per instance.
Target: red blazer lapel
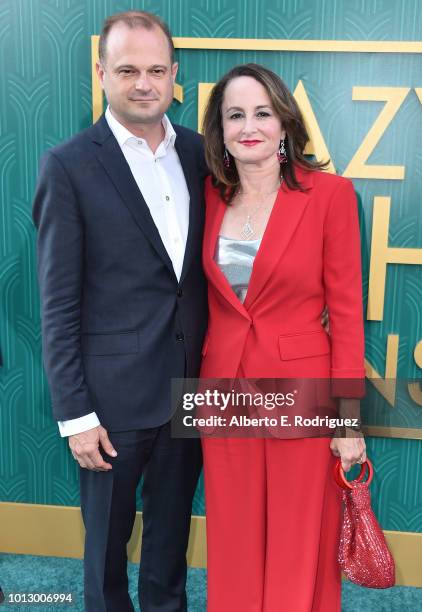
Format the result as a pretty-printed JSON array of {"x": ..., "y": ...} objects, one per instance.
[
  {"x": 214, "y": 218},
  {"x": 284, "y": 219}
]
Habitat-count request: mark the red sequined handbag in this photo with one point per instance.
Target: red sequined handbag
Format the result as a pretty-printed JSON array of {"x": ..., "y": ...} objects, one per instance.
[{"x": 363, "y": 555}]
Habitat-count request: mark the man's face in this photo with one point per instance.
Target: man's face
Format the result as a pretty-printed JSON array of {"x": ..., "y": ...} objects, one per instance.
[{"x": 137, "y": 74}]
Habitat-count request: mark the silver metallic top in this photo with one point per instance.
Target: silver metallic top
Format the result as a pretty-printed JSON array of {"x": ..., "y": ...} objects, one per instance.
[{"x": 235, "y": 259}]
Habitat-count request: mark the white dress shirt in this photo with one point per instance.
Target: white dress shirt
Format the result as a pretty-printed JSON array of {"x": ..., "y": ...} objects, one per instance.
[{"x": 162, "y": 183}]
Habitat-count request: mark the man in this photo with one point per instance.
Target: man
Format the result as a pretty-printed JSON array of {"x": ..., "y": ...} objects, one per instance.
[{"x": 119, "y": 209}]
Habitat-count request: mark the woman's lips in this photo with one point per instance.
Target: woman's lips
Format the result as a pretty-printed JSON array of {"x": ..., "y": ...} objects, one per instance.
[{"x": 249, "y": 143}]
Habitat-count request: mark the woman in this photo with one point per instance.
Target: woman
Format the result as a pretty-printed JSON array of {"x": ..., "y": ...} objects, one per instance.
[{"x": 281, "y": 242}]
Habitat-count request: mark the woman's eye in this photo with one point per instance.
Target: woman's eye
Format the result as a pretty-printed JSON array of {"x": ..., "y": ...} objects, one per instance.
[
  {"x": 235, "y": 116},
  {"x": 263, "y": 114}
]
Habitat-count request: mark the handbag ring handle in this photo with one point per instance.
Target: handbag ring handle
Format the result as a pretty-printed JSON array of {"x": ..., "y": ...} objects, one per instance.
[{"x": 341, "y": 479}]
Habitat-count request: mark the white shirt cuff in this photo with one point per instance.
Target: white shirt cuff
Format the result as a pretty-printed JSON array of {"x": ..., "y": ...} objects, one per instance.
[{"x": 75, "y": 426}]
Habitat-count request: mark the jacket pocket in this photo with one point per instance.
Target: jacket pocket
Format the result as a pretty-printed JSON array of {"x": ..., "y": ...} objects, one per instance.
[
  {"x": 123, "y": 343},
  {"x": 309, "y": 344}
]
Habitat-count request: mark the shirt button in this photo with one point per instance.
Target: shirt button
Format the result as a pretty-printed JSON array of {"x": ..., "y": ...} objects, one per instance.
[
  {"x": 167, "y": 198},
  {"x": 180, "y": 337}
]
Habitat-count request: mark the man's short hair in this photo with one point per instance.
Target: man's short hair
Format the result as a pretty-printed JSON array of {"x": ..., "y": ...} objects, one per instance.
[{"x": 134, "y": 19}]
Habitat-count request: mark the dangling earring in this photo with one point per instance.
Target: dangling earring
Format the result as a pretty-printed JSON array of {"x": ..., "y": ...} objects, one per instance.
[
  {"x": 282, "y": 153},
  {"x": 226, "y": 158}
]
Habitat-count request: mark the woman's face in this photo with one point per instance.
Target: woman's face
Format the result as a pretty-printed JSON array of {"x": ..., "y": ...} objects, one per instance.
[{"x": 252, "y": 131}]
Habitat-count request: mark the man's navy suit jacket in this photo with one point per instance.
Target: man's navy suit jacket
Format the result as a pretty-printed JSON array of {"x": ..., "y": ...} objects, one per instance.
[{"x": 117, "y": 325}]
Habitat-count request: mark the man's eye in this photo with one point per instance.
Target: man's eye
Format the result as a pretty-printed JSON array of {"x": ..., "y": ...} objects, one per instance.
[
  {"x": 158, "y": 71},
  {"x": 125, "y": 71}
]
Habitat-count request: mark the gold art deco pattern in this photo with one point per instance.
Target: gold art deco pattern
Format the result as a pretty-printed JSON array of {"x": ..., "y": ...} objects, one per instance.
[{"x": 46, "y": 96}]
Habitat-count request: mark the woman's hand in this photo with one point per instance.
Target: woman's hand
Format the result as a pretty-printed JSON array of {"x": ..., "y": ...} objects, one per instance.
[{"x": 351, "y": 449}]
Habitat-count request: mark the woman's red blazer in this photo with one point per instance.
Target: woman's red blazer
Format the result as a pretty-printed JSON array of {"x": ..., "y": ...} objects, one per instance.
[{"x": 309, "y": 257}]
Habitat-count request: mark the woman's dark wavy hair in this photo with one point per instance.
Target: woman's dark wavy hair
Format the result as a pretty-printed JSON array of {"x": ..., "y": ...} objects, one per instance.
[{"x": 284, "y": 105}]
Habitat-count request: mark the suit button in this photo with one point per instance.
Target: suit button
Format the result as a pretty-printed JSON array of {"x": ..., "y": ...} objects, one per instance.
[
  {"x": 179, "y": 293},
  {"x": 180, "y": 337}
]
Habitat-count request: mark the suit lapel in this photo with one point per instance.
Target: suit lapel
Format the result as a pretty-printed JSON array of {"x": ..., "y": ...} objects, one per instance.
[
  {"x": 285, "y": 216},
  {"x": 193, "y": 181},
  {"x": 112, "y": 159},
  {"x": 216, "y": 209}
]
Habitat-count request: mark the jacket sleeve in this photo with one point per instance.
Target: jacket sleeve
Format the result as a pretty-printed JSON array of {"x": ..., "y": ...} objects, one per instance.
[
  {"x": 343, "y": 290},
  {"x": 60, "y": 272}
]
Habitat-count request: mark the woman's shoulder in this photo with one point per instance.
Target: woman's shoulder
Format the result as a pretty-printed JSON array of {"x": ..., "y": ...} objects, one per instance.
[
  {"x": 212, "y": 192},
  {"x": 323, "y": 180},
  {"x": 208, "y": 183}
]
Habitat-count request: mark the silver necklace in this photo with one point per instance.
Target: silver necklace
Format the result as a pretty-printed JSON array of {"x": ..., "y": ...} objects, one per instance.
[{"x": 247, "y": 230}]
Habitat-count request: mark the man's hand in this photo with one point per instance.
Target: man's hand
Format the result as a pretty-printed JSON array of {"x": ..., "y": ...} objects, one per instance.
[
  {"x": 325, "y": 322},
  {"x": 85, "y": 449},
  {"x": 351, "y": 450}
]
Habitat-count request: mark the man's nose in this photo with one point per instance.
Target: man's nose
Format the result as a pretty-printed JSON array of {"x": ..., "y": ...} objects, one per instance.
[{"x": 142, "y": 82}]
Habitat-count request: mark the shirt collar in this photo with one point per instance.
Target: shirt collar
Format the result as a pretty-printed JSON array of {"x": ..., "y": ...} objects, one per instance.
[{"x": 122, "y": 134}]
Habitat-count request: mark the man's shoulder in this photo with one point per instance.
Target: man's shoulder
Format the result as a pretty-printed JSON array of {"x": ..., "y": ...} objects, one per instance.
[
  {"x": 188, "y": 134},
  {"x": 77, "y": 145},
  {"x": 194, "y": 144}
]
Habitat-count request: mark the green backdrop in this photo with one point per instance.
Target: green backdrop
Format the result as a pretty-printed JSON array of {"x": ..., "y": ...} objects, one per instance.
[{"x": 45, "y": 97}]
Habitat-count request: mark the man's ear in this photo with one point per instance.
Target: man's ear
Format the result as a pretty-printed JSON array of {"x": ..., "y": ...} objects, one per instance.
[
  {"x": 99, "y": 68},
  {"x": 174, "y": 70}
]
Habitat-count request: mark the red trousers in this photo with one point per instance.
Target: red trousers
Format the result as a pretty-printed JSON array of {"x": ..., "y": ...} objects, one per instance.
[{"x": 273, "y": 522}]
